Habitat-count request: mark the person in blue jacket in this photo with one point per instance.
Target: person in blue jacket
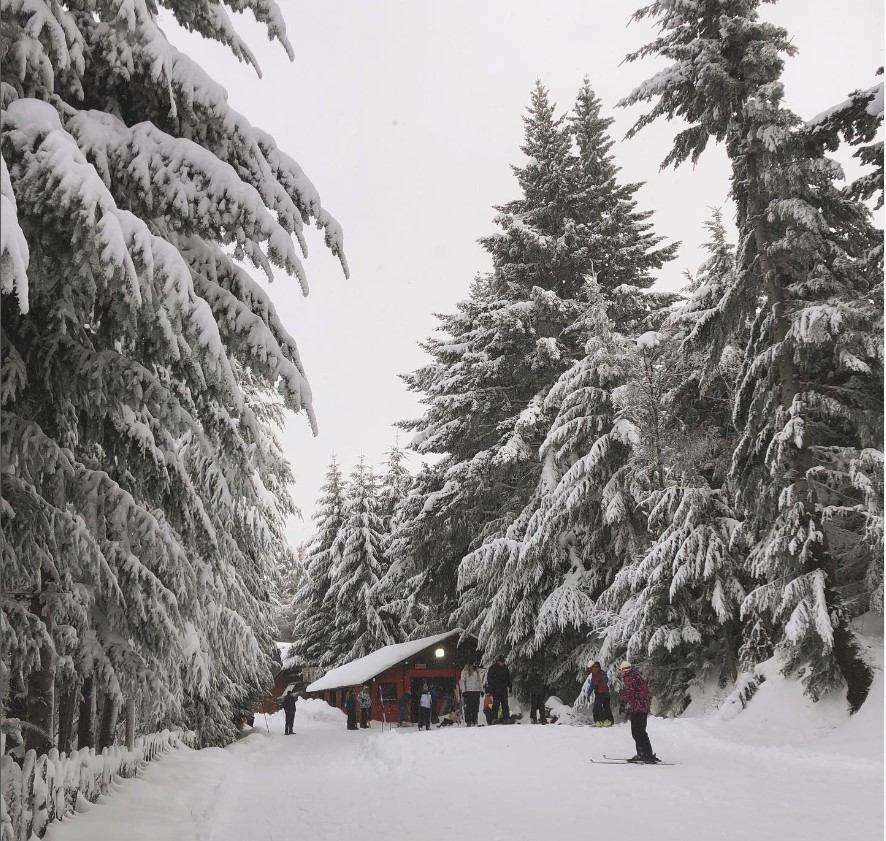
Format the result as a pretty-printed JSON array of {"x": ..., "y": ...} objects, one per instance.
[
  {"x": 598, "y": 686},
  {"x": 403, "y": 704}
]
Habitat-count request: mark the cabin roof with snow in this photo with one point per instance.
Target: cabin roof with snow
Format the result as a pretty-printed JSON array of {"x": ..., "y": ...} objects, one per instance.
[{"x": 365, "y": 668}]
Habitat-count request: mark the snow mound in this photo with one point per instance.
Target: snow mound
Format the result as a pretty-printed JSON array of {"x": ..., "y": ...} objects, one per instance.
[
  {"x": 564, "y": 714},
  {"x": 317, "y": 710},
  {"x": 780, "y": 714},
  {"x": 387, "y": 754}
]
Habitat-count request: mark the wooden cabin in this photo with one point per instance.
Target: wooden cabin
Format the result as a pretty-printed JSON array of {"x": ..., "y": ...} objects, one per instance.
[{"x": 395, "y": 669}]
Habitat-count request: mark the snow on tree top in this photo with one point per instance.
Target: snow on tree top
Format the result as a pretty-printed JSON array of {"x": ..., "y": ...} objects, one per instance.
[
  {"x": 874, "y": 106},
  {"x": 649, "y": 339},
  {"x": 365, "y": 668}
]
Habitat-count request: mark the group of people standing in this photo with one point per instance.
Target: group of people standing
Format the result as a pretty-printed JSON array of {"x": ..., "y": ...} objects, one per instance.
[
  {"x": 495, "y": 691},
  {"x": 361, "y": 702}
]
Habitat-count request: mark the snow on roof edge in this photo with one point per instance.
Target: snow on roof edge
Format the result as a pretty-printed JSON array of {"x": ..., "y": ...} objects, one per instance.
[{"x": 365, "y": 668}]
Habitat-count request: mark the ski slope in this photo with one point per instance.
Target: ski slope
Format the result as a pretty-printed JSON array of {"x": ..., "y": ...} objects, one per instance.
[{"x": 782, "y": 769}]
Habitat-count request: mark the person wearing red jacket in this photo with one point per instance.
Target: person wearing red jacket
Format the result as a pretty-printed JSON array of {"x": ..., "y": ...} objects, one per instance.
[{"x": 636, "y": 699}]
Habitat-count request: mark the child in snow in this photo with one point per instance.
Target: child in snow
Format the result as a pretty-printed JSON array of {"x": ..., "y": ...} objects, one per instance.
[
  {"x": 487, "y": 705},
  {"x": 636, "y": 699},
  {"x": 598, "y": 686},
  {"x": 351, "y": 709},
  {"x": 449, "y": 713},
  {"x": 365, "y": 706},
  {"x": 424, "y": 708}
]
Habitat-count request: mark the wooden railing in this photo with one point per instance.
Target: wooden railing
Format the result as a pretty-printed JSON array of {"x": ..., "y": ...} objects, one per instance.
[{"x": 46, "y": 788}]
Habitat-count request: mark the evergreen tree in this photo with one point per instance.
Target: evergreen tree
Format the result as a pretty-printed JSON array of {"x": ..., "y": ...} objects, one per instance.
[
  {"x": 144, "y": 490},
  {"x": 532, "y": 591},
  {"x": 394, "y": 486},
  {"x": 676, "y": 606},
  {"x": 287, "y": 609},
  {"x": 810, "y": 393},
  {"x": 520, "y": 330},
  {"x": 528, "y": 589},
  {"x": 359, "y": 551},
  {"x": 615, "y": 238},
  {"x": 317, "y": 613}
]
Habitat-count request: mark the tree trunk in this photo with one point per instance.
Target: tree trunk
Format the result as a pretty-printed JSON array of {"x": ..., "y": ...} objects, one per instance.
[
  {"x": 66, "y": 704},
  {"x": 39, "y": 709},
  {"x": 855, "y": 672},
  {"x": 130, "y": 723},
  {"x": 86, "y": 721},
  {"x": 109, "y": 723}
]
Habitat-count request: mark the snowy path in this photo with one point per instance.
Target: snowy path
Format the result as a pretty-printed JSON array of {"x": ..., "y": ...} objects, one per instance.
[{"x": 495, "y": 784}]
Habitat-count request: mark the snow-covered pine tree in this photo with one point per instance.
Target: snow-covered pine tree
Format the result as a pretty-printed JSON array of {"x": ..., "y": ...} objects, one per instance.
[
  {"x": 317, "y": 614},
  {"x": 616, "y": 239},
  {"x": 394, "y": 486},
  {"x": 676, "y": 606},
  {"x": 287, "y": 609},
  {"x": 397, "y": 594},
  {"x": 505, "y": 347},
  {"x": 523, "y": 598},
  {"x": 520, "y": 330},
  {"x": 858, "y": 121},
  {"x": 809, "y": 401},
  {"x": 532, "y": 591},
  {"x": 143, "y": 491},
  {"x": 358, "y": 626}
]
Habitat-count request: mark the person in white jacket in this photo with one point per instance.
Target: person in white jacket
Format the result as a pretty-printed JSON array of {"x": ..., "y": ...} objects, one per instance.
[
  {"x": 471, "y": 689},
  {"x": 424, "y": 708}
]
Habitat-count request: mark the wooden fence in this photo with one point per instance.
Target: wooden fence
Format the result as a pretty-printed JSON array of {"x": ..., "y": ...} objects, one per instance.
[{"x": 46, "y": 788}]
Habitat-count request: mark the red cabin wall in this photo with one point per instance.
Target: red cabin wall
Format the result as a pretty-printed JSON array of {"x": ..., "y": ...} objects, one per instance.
[{"x": 402, "y": 675}]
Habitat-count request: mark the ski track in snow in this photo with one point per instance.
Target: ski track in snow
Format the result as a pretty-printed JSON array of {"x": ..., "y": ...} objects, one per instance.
[{"x": 495, "y": 784}]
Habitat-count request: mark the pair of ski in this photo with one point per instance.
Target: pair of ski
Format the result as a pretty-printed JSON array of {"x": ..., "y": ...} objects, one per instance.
[{"x": 614, "y": 760}]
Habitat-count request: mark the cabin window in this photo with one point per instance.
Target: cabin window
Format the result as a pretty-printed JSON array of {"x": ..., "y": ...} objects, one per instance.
[{"x": 387, "y": 693}]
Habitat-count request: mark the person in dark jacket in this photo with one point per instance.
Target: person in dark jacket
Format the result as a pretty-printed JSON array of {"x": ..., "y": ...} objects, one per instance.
[
  {"x": 403, "y": 705},
  {"x": 498, "y": 679},
  {"x": 636, "y": 699},
  {"x": 537, "y": 694},
  {"x": 351, "y": 710},
  {"x": 598, "y": 685},
  {"x": 289, "y": 710}
]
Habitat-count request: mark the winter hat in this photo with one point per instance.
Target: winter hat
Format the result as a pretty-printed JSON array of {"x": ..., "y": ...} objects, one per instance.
[{"x": 625, "y": 665}]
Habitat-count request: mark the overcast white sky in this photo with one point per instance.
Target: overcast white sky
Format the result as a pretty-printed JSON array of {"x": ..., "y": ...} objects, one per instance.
[{"x": 406, "y": 115}]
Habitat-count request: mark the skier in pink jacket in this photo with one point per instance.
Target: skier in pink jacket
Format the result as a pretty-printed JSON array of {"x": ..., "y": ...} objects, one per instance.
[{"x": 636, "y": 699}]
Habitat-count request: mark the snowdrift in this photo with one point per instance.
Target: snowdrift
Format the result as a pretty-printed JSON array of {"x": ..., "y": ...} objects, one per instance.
[{"x": 780, "y": 714}]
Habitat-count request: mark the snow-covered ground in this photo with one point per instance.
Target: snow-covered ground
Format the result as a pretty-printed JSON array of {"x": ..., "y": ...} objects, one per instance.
[{"x": 782, "y": 769}]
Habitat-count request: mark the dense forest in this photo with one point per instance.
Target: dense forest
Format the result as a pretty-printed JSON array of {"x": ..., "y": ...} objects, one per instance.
[
  {"x": 690, "y": 480},
  {"x": 693, "y": 481}
]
